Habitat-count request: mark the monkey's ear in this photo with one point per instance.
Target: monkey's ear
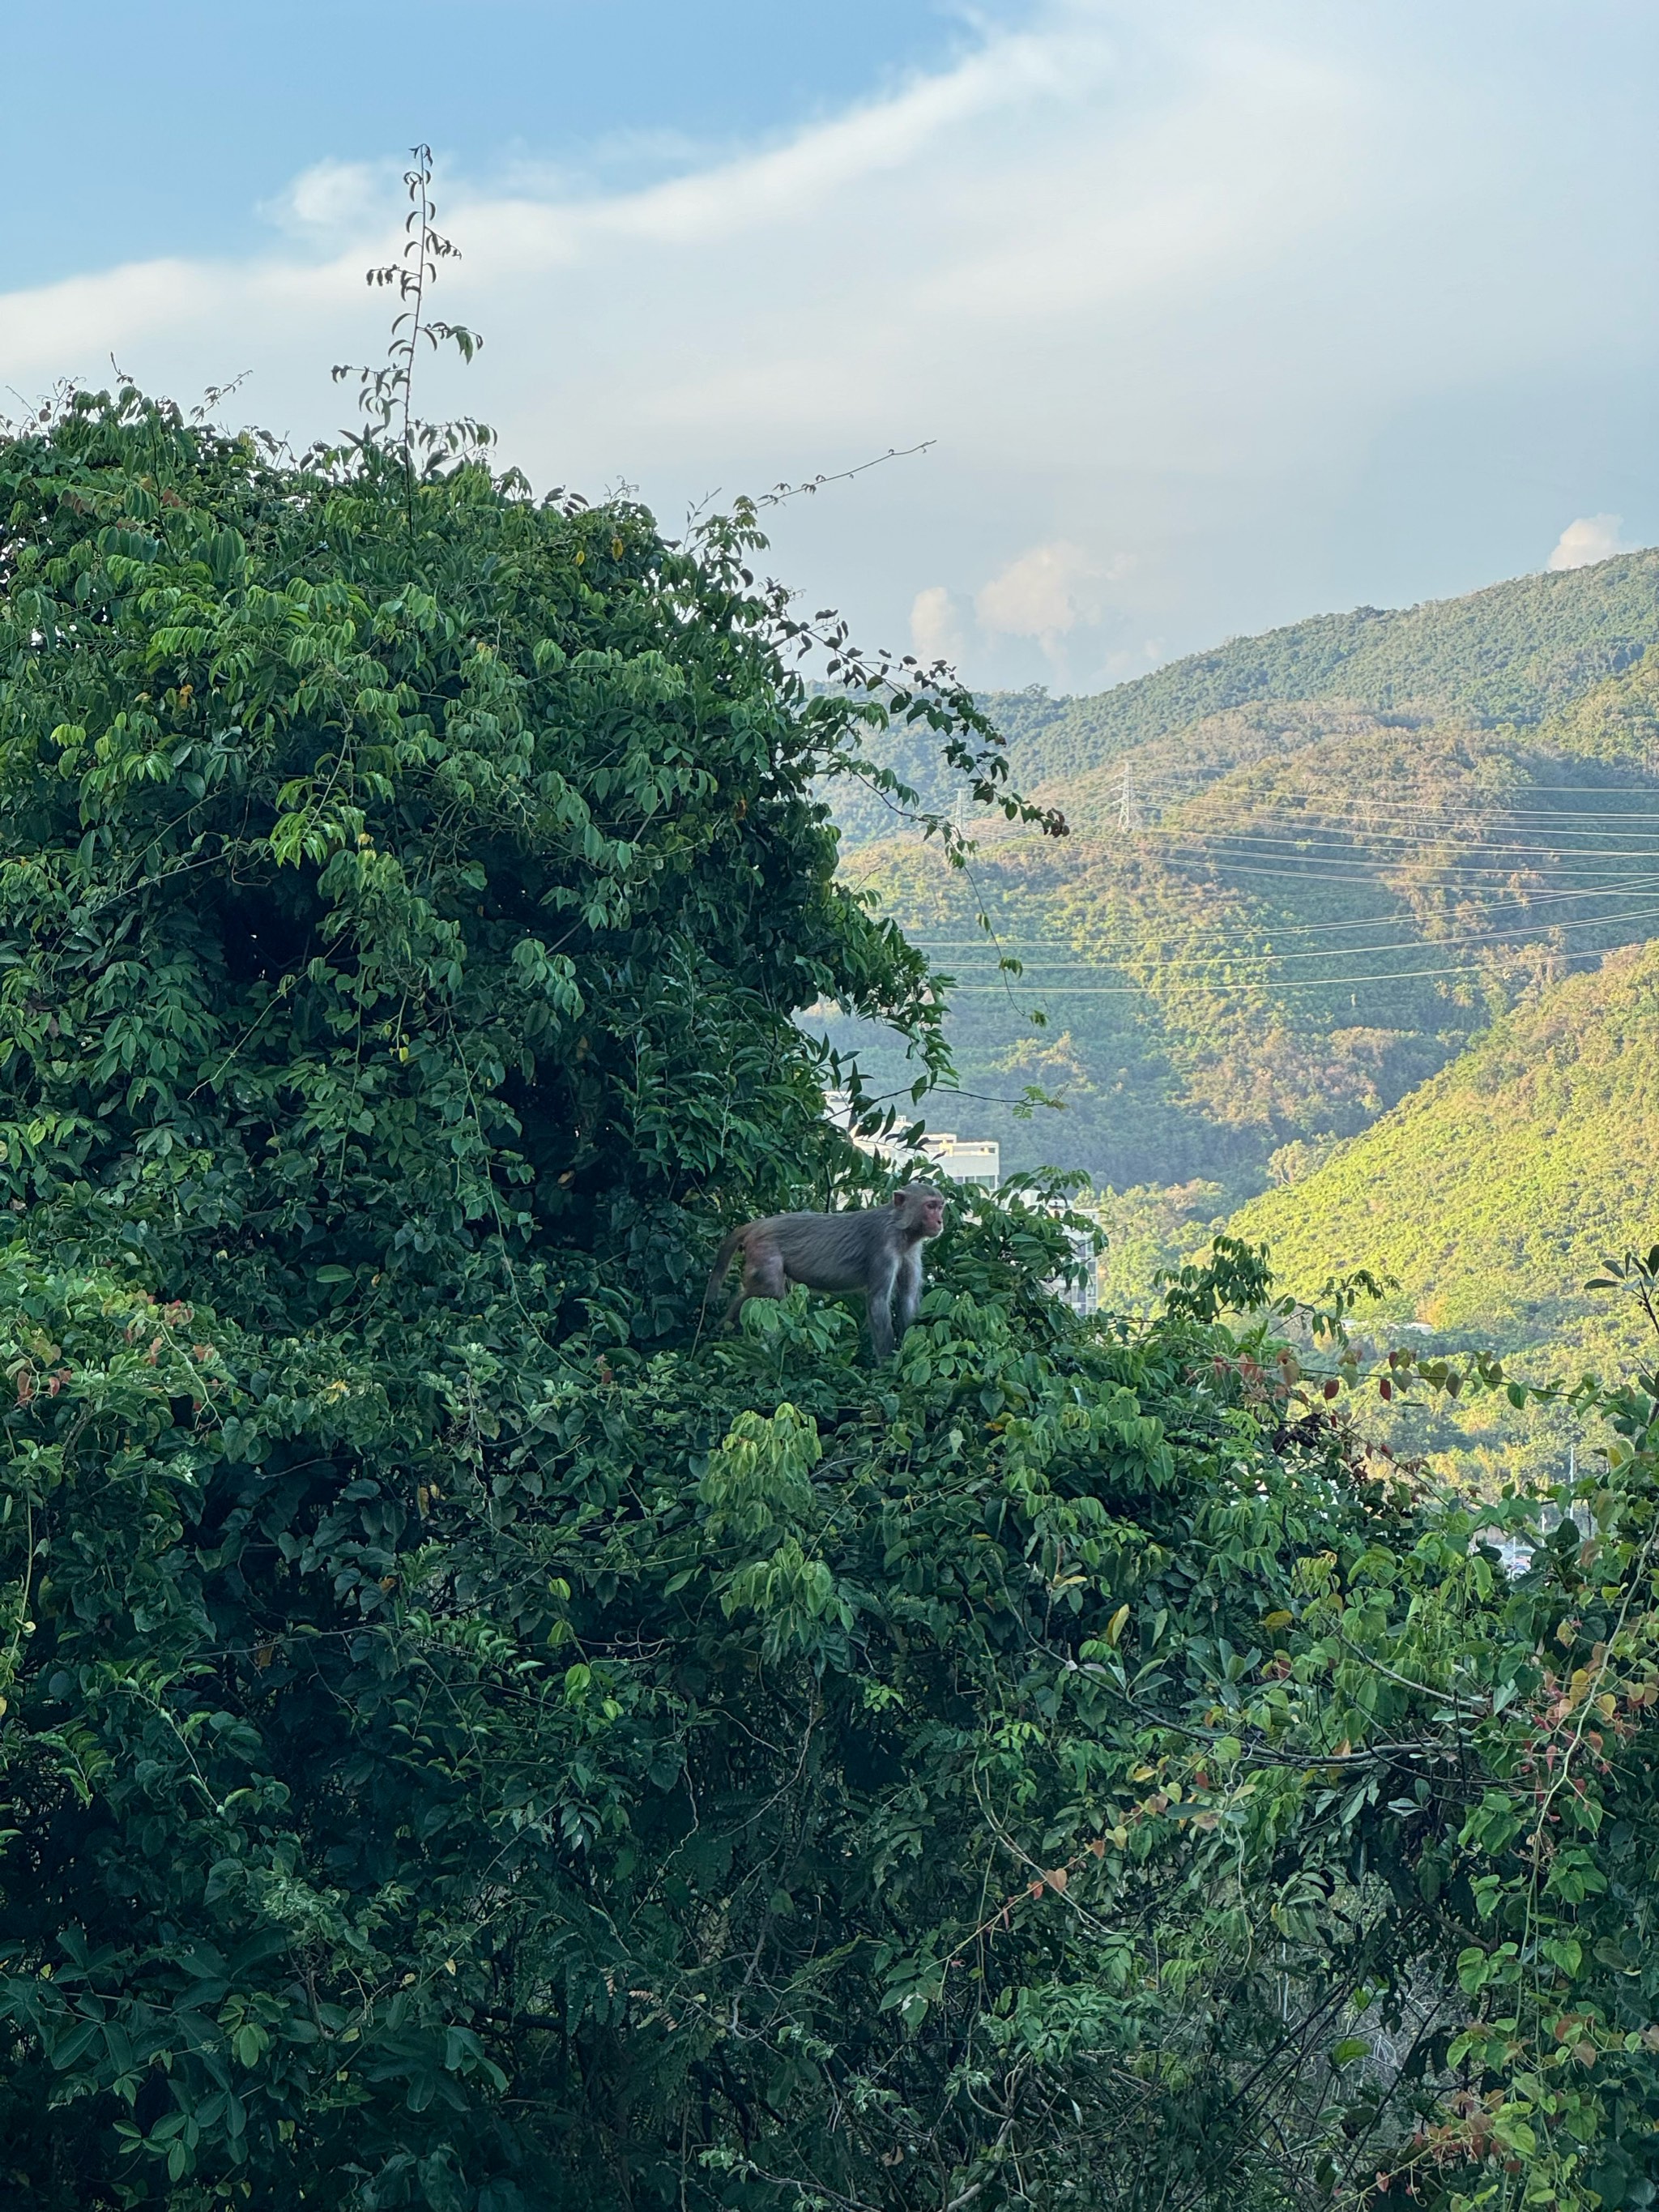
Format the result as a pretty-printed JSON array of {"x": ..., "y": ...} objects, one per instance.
[{"x": 898, "y": 1198}]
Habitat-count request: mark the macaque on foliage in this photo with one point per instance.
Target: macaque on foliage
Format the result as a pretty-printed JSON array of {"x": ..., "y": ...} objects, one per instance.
[{"x": 873, "y": 1248}]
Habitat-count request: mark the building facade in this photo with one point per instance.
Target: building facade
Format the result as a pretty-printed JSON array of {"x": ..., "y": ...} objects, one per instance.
[{"x": 970, "y": 1160}]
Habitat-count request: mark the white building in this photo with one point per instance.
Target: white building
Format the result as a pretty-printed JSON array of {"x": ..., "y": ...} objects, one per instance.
[
  {"x": 1083, "y": 1297},
  {"x": 978, "y": 1161},
  {"x": 974, "y": 1160}
]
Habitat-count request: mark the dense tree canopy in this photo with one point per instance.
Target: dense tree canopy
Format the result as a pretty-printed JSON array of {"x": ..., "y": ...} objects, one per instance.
[{"x": 473, "y": 1739}]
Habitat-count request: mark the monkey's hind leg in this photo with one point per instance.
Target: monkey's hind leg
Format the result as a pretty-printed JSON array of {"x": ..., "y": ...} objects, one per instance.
[{"x": 764, "y": 1276}]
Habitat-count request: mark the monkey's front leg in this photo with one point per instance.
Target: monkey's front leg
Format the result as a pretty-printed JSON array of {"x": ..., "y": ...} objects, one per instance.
[
  {"x": 907, "y": 1302},
  {"x": 878, "y": 1306}
]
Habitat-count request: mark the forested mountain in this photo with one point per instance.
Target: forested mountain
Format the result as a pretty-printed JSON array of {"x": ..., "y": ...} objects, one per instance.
[
  {"x": 1275, "y": 917},
  {"x": 1531, "y": 1155},
  {"x": 1513, "y": 652}
]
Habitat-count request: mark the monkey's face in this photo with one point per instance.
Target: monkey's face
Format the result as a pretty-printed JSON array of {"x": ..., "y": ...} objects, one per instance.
[{"x": 921, "y": 1208}]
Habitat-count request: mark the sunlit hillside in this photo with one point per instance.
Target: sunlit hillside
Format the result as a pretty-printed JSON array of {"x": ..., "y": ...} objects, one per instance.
[{"x": 1492, "y": 1194}]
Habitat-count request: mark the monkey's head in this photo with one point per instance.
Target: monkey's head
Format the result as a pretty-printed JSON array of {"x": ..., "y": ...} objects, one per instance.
[{"x": 921, "y": 1210}]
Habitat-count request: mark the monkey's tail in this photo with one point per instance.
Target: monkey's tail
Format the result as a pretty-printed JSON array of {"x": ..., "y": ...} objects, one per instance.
[{"x": 722, "y": 1261}]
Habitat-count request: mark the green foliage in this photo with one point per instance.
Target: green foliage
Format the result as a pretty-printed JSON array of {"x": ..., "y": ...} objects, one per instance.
[
  {"x": 387, "y": 905},
  {"x": 387, "y": 394},
  {"x": 1637, "y": 1272},
  {"x": 1149, "y": 1229},
  {"x": 405, "y": 892},
  {"x": 471, "y": 1739}
]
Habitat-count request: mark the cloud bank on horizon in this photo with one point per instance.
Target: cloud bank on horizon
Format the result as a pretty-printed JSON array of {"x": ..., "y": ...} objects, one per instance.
[
  {"x": 1592, "y": 537},
  {"x": 1215, "y": 320}
]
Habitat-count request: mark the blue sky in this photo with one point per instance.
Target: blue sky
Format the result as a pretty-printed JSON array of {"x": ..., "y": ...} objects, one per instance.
[
  {"x": 162, "y": 128},
  {"x": 1217, "y": 315}
]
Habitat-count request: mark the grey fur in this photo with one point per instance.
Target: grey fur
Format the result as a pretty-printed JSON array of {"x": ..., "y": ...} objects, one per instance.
[{"x": 873, "y": 1248}]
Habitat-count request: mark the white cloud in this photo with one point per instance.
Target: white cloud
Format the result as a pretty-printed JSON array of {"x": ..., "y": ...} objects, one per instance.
[
  {"x": 972, "y": 254},
  {"x": 1042, "y": 594},
  {"x": 935, "y": 633},
  {"x": 334, "y": 198},
  {"x": 1592, "y": 537},
  {"x": 1159, "y": 273}
]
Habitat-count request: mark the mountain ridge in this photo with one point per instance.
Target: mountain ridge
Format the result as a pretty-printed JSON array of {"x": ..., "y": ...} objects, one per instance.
[
  {"x": 1581, "y": 625},
  {"x": 1515, "y": 651}
]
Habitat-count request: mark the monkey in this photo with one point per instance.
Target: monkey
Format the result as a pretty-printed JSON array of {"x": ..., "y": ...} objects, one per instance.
[{"x": 873, "y": 1248}]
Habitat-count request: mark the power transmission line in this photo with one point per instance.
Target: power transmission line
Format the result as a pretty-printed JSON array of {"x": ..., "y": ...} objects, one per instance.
[
  {"x": 1307, "y": 983},
  {"x": 1618, "y": 889},
  {"x": 1265, "y": 954}
]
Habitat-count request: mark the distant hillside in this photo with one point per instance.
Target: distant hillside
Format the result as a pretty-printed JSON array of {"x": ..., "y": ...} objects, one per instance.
[
  {"x": 1351, "y": 848},
  {"x": 1515, "y": 653},
  {"x": 1493, "y": 1191},
  {"x": 1321, "y": 907}
]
